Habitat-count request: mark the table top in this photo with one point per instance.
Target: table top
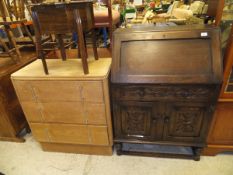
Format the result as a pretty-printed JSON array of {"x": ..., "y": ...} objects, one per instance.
[{"x": 61, "y": 3}]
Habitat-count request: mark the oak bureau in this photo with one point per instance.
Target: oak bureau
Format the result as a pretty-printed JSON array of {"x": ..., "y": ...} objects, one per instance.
[{"x": 165, "y": 84}]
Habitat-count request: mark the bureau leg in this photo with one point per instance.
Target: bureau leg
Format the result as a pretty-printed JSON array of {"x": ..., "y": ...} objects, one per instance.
[
  {"x": 197, "y": 153},
  {"x": 118, "y": 149}
]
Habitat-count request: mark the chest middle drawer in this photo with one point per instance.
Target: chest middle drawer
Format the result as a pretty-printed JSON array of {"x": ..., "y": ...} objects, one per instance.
[{"x": 65, "y": 112}]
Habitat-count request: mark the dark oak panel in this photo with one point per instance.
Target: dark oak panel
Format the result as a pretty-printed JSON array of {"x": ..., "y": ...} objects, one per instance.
[
  {"x": 165, "y": 84},
  {"x": 137, "y": 120},
  {"x": 167, "y": 55},
  {"x": 198, "y": 50}
]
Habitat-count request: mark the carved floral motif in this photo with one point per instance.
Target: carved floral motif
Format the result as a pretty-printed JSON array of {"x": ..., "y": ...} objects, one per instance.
[
  {"x": 165, "y": 92},
  {"x": 135, "y": 120},
  {"x": 186, "y": 122}
]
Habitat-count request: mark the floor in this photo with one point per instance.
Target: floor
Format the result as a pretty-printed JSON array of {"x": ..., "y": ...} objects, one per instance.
[{"x": 28, "y": 159}]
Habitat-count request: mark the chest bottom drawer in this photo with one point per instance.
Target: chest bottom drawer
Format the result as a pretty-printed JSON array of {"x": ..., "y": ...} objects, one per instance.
[{"x": 69, "y": 133}]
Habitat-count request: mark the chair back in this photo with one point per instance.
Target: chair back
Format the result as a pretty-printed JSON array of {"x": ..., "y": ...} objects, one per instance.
[
  {"x": 108, "y": 4},
  {"x": 16, "y": 8},
  {"x": 3, "y": 10}
]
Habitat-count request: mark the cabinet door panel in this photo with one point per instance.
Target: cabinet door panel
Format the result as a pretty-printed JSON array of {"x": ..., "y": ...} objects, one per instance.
[
  {"x": 186, "y": 122},
  {"x": 137, "y": 120}
]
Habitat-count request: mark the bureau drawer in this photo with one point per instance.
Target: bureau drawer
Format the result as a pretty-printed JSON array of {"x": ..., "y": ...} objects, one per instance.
[
  {"x": 65, "y": 112},
  {"x": 163, "y": 92},
  {"x": 45, "y": 91},
  {"x": 69, "y": 133}
]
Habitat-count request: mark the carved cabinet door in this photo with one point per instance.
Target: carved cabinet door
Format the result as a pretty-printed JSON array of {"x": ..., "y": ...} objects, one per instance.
[
  {"x": 186, "y": 122},
  {"x": 137, "y": 120}
]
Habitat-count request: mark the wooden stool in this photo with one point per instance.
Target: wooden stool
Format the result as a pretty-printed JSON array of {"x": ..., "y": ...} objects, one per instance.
[{"x": 62, "y": 18}]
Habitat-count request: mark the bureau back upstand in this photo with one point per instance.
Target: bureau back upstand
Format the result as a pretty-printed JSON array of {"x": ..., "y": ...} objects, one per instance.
[{"x": 165, "y": 84}]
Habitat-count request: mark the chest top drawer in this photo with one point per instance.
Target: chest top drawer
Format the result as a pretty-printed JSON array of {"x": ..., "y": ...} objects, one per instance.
[
  {"x": 45, "y": 91},
  {"x": 164, "y": 92}
]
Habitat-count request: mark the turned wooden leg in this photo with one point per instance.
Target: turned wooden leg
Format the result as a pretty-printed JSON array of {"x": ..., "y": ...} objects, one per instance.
[
  {"x": 61, "y": 47},
  {"x": 81, "y": 41},
  {"x": 8, "y": 51},
  {"x": 40, "y": 54},
  {"x": 110, "y": 37},
  {"x": 85, "y": 44},
  {"x": 13, "y": 42},
  {"x": 94, "y": 44},
  {"x": 79, "y": 50},
  {"x": 28, "y": 33}
]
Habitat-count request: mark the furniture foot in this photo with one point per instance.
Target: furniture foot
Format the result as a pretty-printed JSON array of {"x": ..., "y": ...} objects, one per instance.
[
  {"x": 197, "y": 153},
  {"x": 118, "y": 149}
]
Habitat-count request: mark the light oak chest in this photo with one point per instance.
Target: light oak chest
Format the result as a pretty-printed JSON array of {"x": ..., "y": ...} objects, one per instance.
[{"x": 66, "y": 110}]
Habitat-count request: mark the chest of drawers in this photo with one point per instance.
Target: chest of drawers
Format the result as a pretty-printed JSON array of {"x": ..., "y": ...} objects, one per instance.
[
  {"x": 66, "y": 110},
  {"x": 165, "y": 84}
]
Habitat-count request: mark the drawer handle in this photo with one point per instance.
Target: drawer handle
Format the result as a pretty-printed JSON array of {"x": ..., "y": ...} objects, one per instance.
[
  {"x": 185, "y": 94},
  {"x": 166, "y": 119},
  {"x": 142, "y": 93}
]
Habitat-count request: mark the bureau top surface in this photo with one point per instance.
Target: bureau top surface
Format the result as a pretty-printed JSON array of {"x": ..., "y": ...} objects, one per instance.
[{"x": 69, "y": 69}]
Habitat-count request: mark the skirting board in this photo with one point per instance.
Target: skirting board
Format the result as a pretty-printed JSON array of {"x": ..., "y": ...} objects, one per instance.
[
  {"x": 80, "y": 149},
  {"x": 213, "y": 150}
]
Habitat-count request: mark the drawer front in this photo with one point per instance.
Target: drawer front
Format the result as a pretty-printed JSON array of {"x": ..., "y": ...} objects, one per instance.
[
  {"x": 65, "y": 112},
  {"x": 57, "y": 90},
  {"x": 24, "y": 90},
  {"x": 163, "y": 92},
  {"x": 32, "y": 111},
  {"x": 46, "y": 91},
  {"x": 95, "y": 113},
  {"x": 73, "y": 134},
  {"x": 92, "y": 91}
]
